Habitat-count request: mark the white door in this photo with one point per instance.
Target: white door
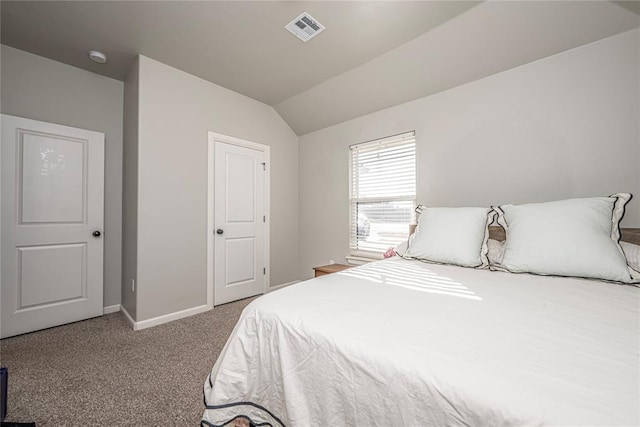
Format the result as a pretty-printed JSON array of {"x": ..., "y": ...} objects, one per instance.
[
  {"x": 239, "y": 222},
  {"x": 51, "y": 223}
]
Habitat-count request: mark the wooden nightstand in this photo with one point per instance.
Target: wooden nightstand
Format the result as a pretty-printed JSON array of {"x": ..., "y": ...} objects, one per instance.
[{"x": 329, "y": 268}]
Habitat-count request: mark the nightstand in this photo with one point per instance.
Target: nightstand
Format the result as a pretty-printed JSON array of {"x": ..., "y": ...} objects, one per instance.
[{"x": 329, "y": 268}]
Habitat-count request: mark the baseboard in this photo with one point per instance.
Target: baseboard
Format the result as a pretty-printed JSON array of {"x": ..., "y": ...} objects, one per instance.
[
  {"x": 155, "y": 321},
  {"x": 111, "y": 309},
  {"x": 128, "y": 316},
  {"x": 284, "y": 285}
]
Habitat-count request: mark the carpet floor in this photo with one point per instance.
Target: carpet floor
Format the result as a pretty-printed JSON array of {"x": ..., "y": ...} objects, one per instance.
[{"x": 100, "y": 372}]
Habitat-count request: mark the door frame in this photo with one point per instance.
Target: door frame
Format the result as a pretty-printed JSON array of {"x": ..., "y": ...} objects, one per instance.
[{"x": 212, "y": 138}]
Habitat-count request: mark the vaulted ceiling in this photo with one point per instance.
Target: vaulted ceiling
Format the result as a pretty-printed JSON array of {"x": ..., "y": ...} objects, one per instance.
[{"x": 372, "y": 55}]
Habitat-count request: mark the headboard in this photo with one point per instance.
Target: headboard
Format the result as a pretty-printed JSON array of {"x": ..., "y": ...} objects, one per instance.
[{"x": 631, "y": 235}]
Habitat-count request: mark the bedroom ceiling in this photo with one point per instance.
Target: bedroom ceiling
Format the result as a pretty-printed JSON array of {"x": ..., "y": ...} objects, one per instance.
[
  {"x": 373, "y": 54},
  {"x": 241, "y": 45}
]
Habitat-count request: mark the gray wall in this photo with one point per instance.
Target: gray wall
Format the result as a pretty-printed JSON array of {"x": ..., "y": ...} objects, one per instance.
[
  {"x": 176, "y": 110},
  {"x": 564, "y": 126},
  {"x": 130, "y": 191},
  {"x": 38, "y": 88}
]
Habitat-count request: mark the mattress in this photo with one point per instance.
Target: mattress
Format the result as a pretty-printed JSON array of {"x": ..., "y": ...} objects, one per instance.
[{"x": 404, "y": 343}]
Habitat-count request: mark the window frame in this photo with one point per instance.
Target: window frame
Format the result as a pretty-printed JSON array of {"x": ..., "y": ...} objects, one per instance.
[{"x": 366, "y": 255}]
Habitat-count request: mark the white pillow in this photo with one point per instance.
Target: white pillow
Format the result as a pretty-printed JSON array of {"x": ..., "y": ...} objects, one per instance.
[
  {"x": 574, "y": 237},
  {"x": 452, "y": 236},
  {"x": 632, "y": 254}
]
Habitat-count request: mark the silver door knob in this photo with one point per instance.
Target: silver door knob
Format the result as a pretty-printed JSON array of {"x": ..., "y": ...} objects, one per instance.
[{"x": 219, "y": 231}]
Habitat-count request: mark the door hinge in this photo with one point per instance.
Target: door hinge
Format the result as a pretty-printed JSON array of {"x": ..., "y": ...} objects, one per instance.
[
  {"x": 264, "y": 270},
  {"x": 264, "y": 218},
  {"x": 264, "y": 166}
]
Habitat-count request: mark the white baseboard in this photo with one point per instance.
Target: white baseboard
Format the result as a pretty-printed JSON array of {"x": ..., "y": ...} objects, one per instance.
[
  {"x": 284, "y": 285},
  {"x": 111, "y": 309},
  {"x": 155, "y": 321},
  {"x": 128, "y": 316}
]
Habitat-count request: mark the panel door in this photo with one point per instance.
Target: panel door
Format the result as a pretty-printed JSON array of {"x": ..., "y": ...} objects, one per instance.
[
  {"x": 239, "y": 209},
  {"x": 52, "y": 204}
]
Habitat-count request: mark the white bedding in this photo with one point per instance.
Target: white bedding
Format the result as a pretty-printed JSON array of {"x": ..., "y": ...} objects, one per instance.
[{"x": 403, "y": 343}]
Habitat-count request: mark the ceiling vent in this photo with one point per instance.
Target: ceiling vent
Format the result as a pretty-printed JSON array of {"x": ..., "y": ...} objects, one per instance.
[{"x": 305, "y": 27}]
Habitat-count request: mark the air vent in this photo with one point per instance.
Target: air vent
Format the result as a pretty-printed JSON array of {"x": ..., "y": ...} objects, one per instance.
[{"x": 305, "y": 27}]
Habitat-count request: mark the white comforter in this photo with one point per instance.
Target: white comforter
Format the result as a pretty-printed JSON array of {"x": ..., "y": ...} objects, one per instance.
[{"x": 402, "y": 343}]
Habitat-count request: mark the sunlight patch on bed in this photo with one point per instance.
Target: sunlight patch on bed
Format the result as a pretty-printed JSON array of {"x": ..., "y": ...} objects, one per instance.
[{"x": 409, "y": 276}]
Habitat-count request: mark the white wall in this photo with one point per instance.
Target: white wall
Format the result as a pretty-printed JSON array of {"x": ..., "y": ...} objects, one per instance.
[
  {"x": 564, "y": 126},
  {"x": 176, "y": 110},
  {"x": 42, "y": 89}
]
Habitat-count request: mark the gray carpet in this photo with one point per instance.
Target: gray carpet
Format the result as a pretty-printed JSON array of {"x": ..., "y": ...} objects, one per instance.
[{"x": 100, "y": 372}]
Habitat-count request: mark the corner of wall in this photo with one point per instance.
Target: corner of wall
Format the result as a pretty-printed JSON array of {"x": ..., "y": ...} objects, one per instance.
[{"x": 130, "y": 193}]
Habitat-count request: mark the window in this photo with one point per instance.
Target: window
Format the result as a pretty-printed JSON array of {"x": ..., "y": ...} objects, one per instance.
[{"x": 383, "y": 193}]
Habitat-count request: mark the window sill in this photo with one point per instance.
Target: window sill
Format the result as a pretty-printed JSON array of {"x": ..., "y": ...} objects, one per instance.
[{"x": 361, "y": 260}]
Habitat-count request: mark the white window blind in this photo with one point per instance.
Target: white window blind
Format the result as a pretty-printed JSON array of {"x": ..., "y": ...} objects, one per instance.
[{"x": 383, "y": 193}]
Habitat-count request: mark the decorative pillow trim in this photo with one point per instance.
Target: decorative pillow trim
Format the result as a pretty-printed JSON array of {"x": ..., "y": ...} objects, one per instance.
[
  {"x": 618, "y": 213},
  {"x": 501, "y": 221},
  {"x": 484, "y": 249},
  {"x": 619, "y": 207}
]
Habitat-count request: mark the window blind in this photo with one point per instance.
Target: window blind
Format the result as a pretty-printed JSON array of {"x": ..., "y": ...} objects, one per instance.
[{"x": 383, "y": 193}]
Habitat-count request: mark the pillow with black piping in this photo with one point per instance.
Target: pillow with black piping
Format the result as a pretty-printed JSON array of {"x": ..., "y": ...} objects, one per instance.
[
  {"x": 455, "y": 236},
  {"x": 573, "y": 237}
]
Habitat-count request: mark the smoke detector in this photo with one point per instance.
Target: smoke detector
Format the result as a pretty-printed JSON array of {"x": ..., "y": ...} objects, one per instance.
[
  {"x": 97, "y": 56},
  {"x": 305, "y": 27}
]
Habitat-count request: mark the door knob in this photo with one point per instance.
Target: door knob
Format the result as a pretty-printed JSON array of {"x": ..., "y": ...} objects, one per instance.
[
  {"x": 96, "y": 233},
  {"x": 219, "y": 231}
]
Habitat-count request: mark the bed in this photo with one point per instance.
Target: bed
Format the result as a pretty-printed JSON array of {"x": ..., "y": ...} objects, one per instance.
[{"x": 401, "y": 342}]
